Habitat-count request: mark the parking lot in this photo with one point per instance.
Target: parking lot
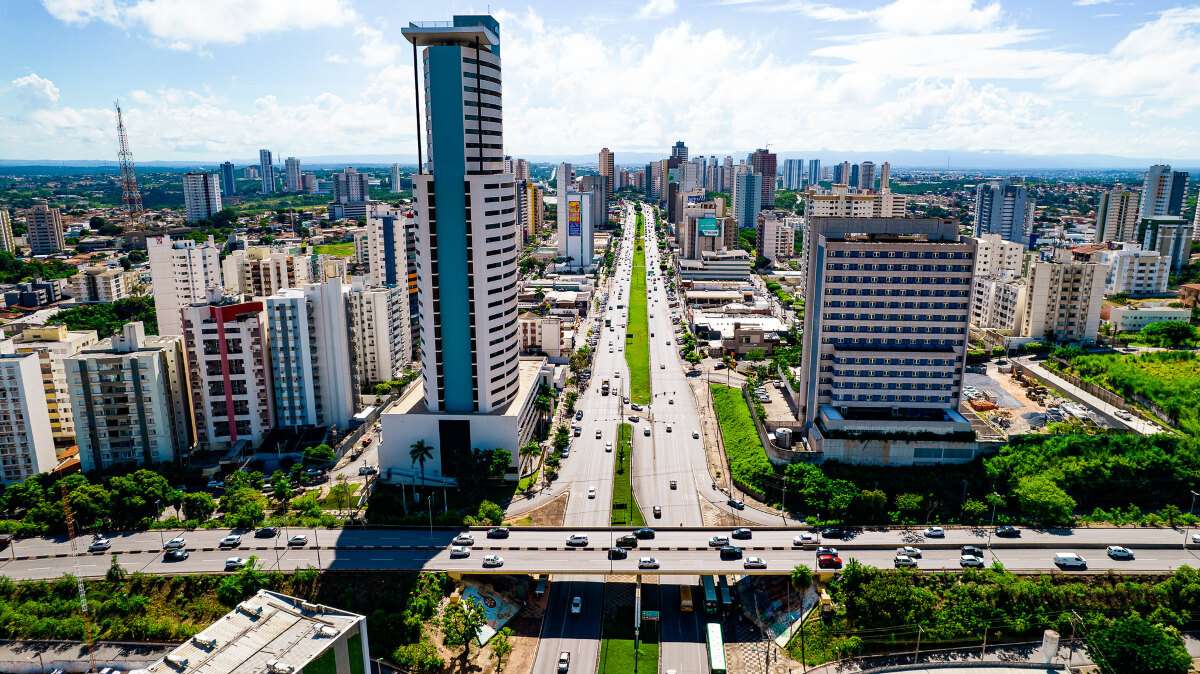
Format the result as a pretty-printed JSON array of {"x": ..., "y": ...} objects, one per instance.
[{"x": 1015, "y": 412}]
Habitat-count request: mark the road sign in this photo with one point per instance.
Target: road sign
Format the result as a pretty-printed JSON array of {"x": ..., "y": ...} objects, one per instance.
[{"x": 650, "y": 616}]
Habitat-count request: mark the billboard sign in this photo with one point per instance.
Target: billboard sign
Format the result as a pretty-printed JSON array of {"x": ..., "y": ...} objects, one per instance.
[{"x": 574, "y": 218}]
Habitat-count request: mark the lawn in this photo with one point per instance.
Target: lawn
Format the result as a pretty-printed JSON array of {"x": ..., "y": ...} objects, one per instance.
[
  {"x": 748, "y": 462},
  {"x": 637, "y": 344},
  {"x": 1170, "y": 380},
  {"x": 616, "y": 649},
  {"x": 624, "y": 507},
  {"x": 343, "y": 249},
  {"x": 526, "y": 483}
]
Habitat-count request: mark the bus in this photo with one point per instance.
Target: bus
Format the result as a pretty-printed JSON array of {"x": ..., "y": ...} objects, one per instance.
[
  {"x": 726, "y": 596},
  {"x": 710, "y": 594},
  {"x": 716, "y": 648},
  {"x": 685, "y": 598}
]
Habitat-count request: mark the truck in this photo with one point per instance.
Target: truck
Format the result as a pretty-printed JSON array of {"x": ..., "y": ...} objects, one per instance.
[{"x": 604, "y": 387}]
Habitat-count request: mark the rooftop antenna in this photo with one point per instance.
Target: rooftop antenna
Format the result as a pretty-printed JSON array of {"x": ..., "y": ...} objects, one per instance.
[{"x": 130, "y": 195}]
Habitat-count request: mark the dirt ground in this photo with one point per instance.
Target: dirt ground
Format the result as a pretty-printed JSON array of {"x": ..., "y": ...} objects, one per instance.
[
  {"x": 549, "y": 515},
  {"x": 715, "y": 517}
]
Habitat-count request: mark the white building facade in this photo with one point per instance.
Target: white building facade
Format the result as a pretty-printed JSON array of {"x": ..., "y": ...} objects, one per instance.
[
  {"x": 181, "y": 273},
  {"x": 26, "y": 443}
]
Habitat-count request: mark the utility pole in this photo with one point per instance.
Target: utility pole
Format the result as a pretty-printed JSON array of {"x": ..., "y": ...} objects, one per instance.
[
  {"x": 83, "y": 605},
  {"x": 917, "y": 653}
]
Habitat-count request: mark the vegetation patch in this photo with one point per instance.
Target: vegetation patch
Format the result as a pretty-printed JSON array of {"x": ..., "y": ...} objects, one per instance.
[
  {"x": 748, "y": 464},
  {"x": 343, "y": 249},
  {"x": 107, "y": 319},
  {"x": 625, "y": 509},
  {"x": 637, "y": 344},
  {"x": 1170, "y": 380}
]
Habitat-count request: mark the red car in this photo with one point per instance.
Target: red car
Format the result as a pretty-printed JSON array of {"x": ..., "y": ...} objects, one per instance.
[{"x": 828, "y": 561}]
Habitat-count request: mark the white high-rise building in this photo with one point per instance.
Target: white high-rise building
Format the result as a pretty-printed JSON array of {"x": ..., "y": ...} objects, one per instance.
[
  {"x": 229, "y": 371},
  {"x": 181, "y": 273},
  {"x": 309, "y": 344},
  {"x": 997, "y": 257},
  {"x": 53, "y": 344},
  {"x": 396, "y": 177},
  {"x": 1163, "y": 191},
  {"x": 7, "y": 244},
  {"x": 564, "y": 178},
  {"x": 44, "y": 230},
  {"x": 575, "y": 236},
  {"x": 1117, "y": 215},
  {"x": 130, "y": 400},
  {"x": 201, "y": 196},
  {"x": 1063, "y": 300},
  {"x": 293, "y": 176},
  {"x": 266, "y": 171},
  {"x": 387, "y": 252},
  {"x": 1004, "y": 208},
  {"x": 840, "y": 201},
  {"x": 380, "y": 336},
  {"x": 261, "y": 271},
  {"x": 776, "y": 235},
  {"x": 26, "y": 443}
]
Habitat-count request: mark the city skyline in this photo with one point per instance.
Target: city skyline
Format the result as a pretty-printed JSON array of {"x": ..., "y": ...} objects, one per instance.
[{"x": 947, "y": 76}]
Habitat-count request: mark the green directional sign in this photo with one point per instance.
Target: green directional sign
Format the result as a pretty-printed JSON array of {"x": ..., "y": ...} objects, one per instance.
[{"x": 650, "y": 615}]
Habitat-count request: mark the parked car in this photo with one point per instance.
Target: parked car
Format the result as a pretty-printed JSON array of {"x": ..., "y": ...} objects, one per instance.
[
  {"x": 99, "y": 544},
  {"x": 935, "y": 532}
]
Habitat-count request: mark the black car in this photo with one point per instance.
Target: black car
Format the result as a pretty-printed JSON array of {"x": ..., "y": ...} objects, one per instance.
[
  {"x": 973, "y": 551},
  {"x": 736, "y": 504},
  {"x": 617, "y": 553},
  {"x": 176, "y": 555},
  {"x": 731, "y": 552},
  {"x": 833, "y": 532},
  {"x": 1008, "y": 531},
  {"x": 627, "y": 541},
  {"x": 742, "y": 533},
  {"x": 267, "y": 532},
  {"x": 498, "y": 532},
  {"x": 644, "y": 532}
]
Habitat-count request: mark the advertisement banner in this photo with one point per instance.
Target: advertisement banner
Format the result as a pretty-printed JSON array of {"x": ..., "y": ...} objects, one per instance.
[{"x": 574, "y": 218}]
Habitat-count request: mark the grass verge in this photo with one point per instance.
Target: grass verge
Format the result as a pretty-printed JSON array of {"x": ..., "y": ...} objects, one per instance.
[
  {"x": 625, "y": 509},
  {"x": 748, "y": 464},
  {"x": 617, "y": 652},
  {"x": 526, "y": 483},
  {"x": 637, "y": 344}
]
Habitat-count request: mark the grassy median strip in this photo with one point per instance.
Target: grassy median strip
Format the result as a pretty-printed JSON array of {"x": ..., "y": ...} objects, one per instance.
[
  {"x": 637, "y": 344},
  {"x": 748, "y": 463},
  {"x": 625, "y": 509},
  {"x": 617, "y": 653}
]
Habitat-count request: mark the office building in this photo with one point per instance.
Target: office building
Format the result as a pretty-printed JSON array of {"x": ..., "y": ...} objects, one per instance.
[
  {"x": 387, "y": 255},
  {"x": 840, "y": 201},
  {"x": 887, "y": 308},
  {"x": 607, "y": 171},
  {"x": 763, "y": 163},
  {"x": 44, "y": 230},
  {"x": 1117, "y": 215},
  {"x": 414, "y": 288},
  {"x": 266, "y": 171},
  {"x": 7, "y": 244},
  {"x": 102, "y": 285},
  {"x": 308, "y": 337},
  {"x": 997, "y": 257},
  {"x": 53, "y": 344},
  {"x": 1004, "y": 208},
  {"x": 853, "y": 183},
  {"x": 351, "y": 195},
  {"x": 395, "y": 179},
  {"x": 229, "y": 371},
  {"x": 536, "y": 212},
  {"x": 228, "y": 181},
  {"x": 1134, "y": 317},
  {"x": 679, "y": 151},
  {"x": 1163, "y": 192},
  {"x": 1170, "y": 235},
  {"x": 262, "y": 271},
  {"x": 575, "y": 229},
  {"x": 181, "y": 273},
  {"x": 841, "y": 174},
  {"x": 250, "y": 173},
  {"x": 747, "y": 198},
  {"x": 814, "y": 172},
  {"x": 310, "y": 183},
  {"x": 380, "y": 333},
  {"x": 594, "y": 185},
  {"x": 293, "y": 182},
  {"x": 704, "y": 227},
  {"x": 521, "y": 169},
  {"x": 1063, "y": 300},
  {"x": 26, "y": 444},
  {"x": 477, "y": 392},
  {"x": 775, "y": 235},
  {"x": 201, "y": 196},
  {"x": 564, "y": 178},
  {"x": 129, "y": 397},
  {"x": 793, "y": 174},
  {"x": 866, "y": 176}
]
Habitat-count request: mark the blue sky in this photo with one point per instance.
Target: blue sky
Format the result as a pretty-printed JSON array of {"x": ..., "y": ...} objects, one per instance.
[{"x": 217, "y": 79}]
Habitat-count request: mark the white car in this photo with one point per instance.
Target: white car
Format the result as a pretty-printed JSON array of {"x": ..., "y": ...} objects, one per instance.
[
  {"x": 177, "y": 543},
  {"x": 935, "y": 532},
  {"x": 1119, "y": 552},
  {"x": 577, "y": 605},
  {"x": 608, "y": 446},
  {"x": 234, "y": 563},
  {"x": 231, "y": 541},
  {"x": 100, "y": 545},
  {"x": 299, "y": 540},
  {"x": 464, "y": 539},
  {"x": 904, "y": 561},
  {"x": 647, "y": 563},
  {"x": 493, "y": 561},
  {"x": 1195, "y": 539},
  {"x": 754, "y": 563},
  {"x": 564, "y": 661},
  {"x": 803, "y": 539},
  {"x": 970, "y": 561},
  {"x": 591, "y": 492},
  {"x": 459, "y": 551},
  {"x": 695, "y": 435},
  {"x": 718, "y": 541},
  {"x": 909, "y": 551},
  {"x": 577, "y": 540}
]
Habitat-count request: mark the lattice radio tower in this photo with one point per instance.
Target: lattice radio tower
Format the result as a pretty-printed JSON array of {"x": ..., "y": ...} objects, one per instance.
[{"x": 129, "y": 188}]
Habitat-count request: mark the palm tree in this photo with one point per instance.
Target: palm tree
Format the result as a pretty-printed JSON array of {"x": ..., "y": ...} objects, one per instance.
[
  {"x": 801, "y": 578},
  {"x": 528, "y": 451},
  {"x": 420, "y": 453},
  {"x": 543, "y": 403}
]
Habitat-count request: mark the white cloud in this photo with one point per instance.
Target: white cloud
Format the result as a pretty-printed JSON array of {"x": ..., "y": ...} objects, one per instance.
[
  {"x": 656, "y": 9},
  {"x": 1090, "y": 3},
  {"x": 900, "y": 16},
  {"x": 41, "y": 89},
  {"x": 336, "y": 59},
  {"x": 190, "y": 24}
]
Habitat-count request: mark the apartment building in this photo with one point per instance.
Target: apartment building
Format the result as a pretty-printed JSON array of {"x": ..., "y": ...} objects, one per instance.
[
  {"x": 997, "y": 257},
  {"x": 102, "y": 285},
  {"x": 181, "y": 273},
  {"x": 26, "y": 443},
  {"x": 201, "y": 196},
  {"x": 1117, "y": 215},
  {"x": 542, "y": 334},
  {"x": 998, "y": 304},
  {"x": 308, "y": 338},
  {"x": 840, "y": 201},
  {"x": 775, "y": 235},
  {"x": 1005, "y": 208},
  {"x": 888, "y": 305},
  {"x": 261, "y": 271},
  {"x": 44, "y": 230},
  {"x": 7, "y": 243},
  {"x": 130, "y": 400},
  {"x": 380, "y": 333},
  {"x": 1170, "y": 235},
  {"x": 1129, "y": 269},
  {"x": 704, "y": 227},
  {"x": 387, "y": 252},
  {"x": 53, "y": 344},
  {"x": 229, "y": 372},
  {"x": 1063, "y": 300}
]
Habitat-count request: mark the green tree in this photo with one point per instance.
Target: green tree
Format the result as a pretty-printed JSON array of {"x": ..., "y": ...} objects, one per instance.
[
  {"x": 419, "y": 453},
  {"x": 909, "y": 505},
  {"x": 461, "y": 621},
  {"x": 801, "y": 577},
  {"x": 498, "y": 462},
  {"x": 281, "y": 487},
  {"x": 319, "y": 455},
  {"x": 974, "y": 510},
  {"x": 139, "y": 496},
  {"x": 1043, "y": 502},
  {"x": 242, "y": 583},
  {"x": 501, "y": 647},
  {"x": 243, "y": 507},
  {"x": 1169, "y": 334},
  {"x": 490, "y": 512},
  {"x": 421, "y": 657},
  {"x": 198, "y": 505},
  {"x": 870, "y": 506},
  {"x": 1133, "y": 644}
]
